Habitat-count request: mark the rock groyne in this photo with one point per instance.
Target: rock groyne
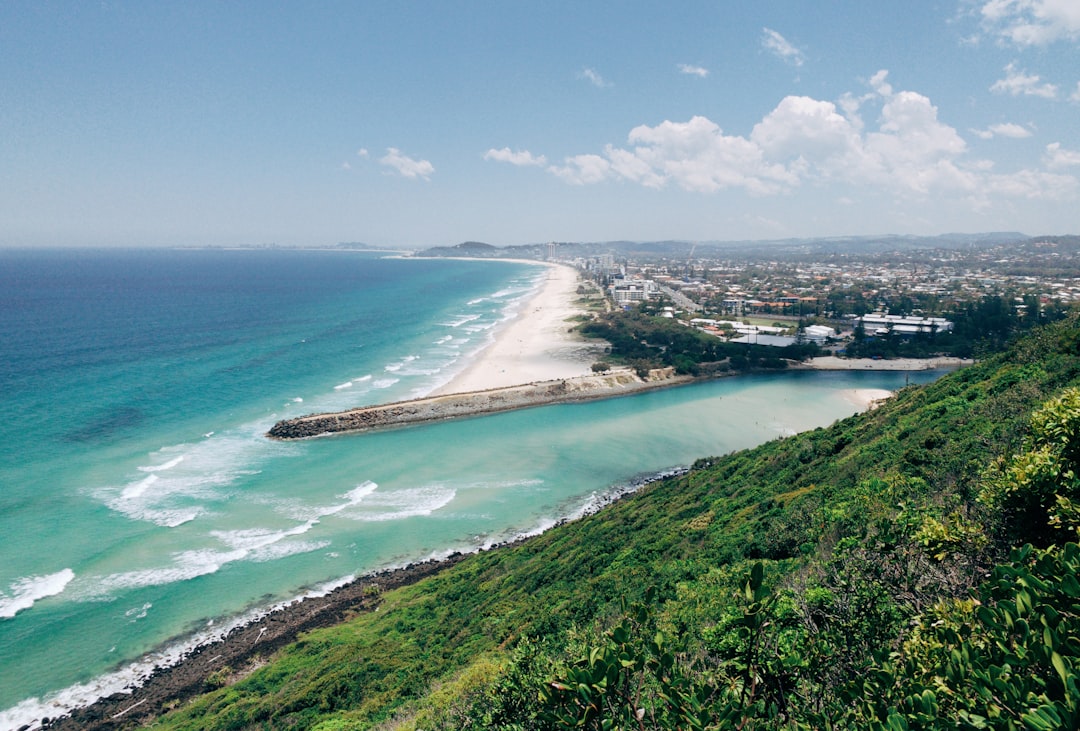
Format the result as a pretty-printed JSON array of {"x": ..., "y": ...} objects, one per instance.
[{"x": 450, "y": 406}]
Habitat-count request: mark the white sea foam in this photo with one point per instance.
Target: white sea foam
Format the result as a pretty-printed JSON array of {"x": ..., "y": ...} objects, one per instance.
[
  {"x": 24, "y": 592},
  {"x": 166, "y": 466},
  {"x": 309, "y": 513},
  {"x": 459, "y": 321},
  {"x": 137, "y": 613},
  {"x": 29, "y": 712},
  {"x": 250, "y": 544},
  {"x": 137, "y": 489},
  {"x": 401, "y": 504},
  {"x": 385, "y": 382},
  {"x": 361, "y": 379},
  {"x": 340, "y": 386},
  {"x": 298, "y": 400},
  {"x": 197, "y": 476}
]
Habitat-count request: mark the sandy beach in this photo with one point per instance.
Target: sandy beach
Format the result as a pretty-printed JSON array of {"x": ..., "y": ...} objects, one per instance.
[
  {"x": 833, "y": 363},
  {"x": 867, "y": 398},
  {"x": 536, "y": 345}
]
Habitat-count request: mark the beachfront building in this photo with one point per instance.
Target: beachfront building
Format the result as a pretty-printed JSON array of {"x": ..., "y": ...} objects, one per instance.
[
  {"x": 881, "y": 324},
  {"x": 626, "y": 292}
]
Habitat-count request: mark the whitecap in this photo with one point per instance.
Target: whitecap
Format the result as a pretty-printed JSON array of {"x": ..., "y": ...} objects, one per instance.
[
  {"x": 137, "y": 613},
  {"x": 167, "y": 465},
  {"x": 340, "y": 386},
  {"x": 458, "y": 322},
  {"x": 24, "y": 592},
  {"x": 180, "y": 494},
  {"x": 363, "y": 378},
  {"x": 29, "y": 712},
  {"x": 137, "y": 489},
  {"x": 298, "y": 400},
  {"x": 401, "y": 504},
  {"x": 385, "y": 382},
  {"x": 311, "y": 514}
]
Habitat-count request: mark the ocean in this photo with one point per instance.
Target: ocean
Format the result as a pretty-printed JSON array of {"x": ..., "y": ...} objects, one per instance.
[{"x": 142, "y": 509}]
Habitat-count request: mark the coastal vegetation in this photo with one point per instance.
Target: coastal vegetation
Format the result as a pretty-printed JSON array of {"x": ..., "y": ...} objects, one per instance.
[
  {"x": 644, "y": 340},
  {"x": 909, "y": 567}
]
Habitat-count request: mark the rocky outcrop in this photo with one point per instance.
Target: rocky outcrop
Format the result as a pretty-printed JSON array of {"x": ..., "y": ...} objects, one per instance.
[{"x": 434, "y": 408}]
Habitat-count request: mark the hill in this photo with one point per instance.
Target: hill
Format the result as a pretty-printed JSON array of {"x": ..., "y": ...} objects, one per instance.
[{"x": 856, "y": 576}]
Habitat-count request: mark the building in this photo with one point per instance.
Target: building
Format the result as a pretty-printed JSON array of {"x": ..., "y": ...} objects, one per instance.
[
  {"x": 625, "y": 292},
  {"x": 881, "y": 324},
  {"x": 818, "y": 333}
]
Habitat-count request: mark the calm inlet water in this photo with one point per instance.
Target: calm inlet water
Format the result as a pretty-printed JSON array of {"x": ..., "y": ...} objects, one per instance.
[{"x": 141, "y": 505}]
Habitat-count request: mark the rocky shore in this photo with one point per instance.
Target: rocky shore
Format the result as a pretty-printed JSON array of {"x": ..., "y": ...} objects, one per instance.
[
  {"x": 241, "y": 652},
  {"x": 250, "y": 646},
  {"x": 617, "y": 382}
]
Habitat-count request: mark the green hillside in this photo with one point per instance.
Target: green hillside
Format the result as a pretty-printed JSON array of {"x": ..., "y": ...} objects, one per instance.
[{"x": 841, "y": 578}]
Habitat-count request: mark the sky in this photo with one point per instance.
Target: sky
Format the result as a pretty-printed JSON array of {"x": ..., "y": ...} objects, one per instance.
[{"x": 412, "y": 124}]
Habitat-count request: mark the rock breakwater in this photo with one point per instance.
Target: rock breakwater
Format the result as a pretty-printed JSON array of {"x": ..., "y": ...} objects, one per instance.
[{"x": 451, "y": 406}]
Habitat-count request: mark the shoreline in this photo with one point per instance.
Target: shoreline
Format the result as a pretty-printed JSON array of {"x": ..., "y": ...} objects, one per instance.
[
  {"x": 534, "y": 344},
  {"x": 835, "y": 363},
  {"x": 246, "y": 647}
]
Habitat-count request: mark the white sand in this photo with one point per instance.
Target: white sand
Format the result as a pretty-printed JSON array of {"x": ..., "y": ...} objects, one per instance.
[
  {"x": 536, "y": 345},
  {"x": 867, "y": 398},
  {"x": 832, "y": 363}
]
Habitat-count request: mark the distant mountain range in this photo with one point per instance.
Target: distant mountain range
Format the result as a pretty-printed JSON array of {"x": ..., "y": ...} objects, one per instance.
[{"x": 786, "y": 248}]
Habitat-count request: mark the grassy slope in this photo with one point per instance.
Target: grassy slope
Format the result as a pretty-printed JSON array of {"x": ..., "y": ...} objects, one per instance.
[{"x": 778, "y": 502}]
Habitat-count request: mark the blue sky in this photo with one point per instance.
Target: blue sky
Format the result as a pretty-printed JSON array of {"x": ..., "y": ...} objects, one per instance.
[{"x": 422, "y": 123}]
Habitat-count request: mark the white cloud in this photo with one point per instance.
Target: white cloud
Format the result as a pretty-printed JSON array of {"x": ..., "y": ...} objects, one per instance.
[
  {"x": 1032, "y": 22},
  {"x": 1075, "y": 96},
  {"x": 1007, "y": 129},
  {"x": 362, "y": 152},
  {"x": 879, "y": 84},
  {"x": 1056, "y": 157},
  {"x": 346, "y": 166},
  {"x": 519, "y": 158},
  {"x": 593, "y": 78},
  {"x": 583, "y": 169},
  {"x": 406, "y": 166},
  {"x": 908, "y": 151},
  {"x": 1017, "y": 83},
  {"x": 693, "y": 70},
  {"x": 781, "y": 48}
]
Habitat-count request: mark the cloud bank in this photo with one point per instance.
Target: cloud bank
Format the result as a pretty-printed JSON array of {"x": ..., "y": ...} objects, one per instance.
[
  {"x": 901, "y": 147},
  {"x": 1032, "y": 22}
]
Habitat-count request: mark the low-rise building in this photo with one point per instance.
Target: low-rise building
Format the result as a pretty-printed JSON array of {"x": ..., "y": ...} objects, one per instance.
[{"x": 879, "y": 323}]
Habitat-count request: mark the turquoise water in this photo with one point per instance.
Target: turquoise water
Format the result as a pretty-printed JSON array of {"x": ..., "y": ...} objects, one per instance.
[{"x": 141, "y": 505}]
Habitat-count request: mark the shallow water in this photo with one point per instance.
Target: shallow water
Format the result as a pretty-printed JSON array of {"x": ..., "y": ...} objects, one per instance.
[{"x": 141, "y": 501}]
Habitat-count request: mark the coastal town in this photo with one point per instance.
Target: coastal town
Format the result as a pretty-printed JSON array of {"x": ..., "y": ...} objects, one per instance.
[
  {"x": 884, "y": 296},
  {"x": 778, "y": 297}
]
